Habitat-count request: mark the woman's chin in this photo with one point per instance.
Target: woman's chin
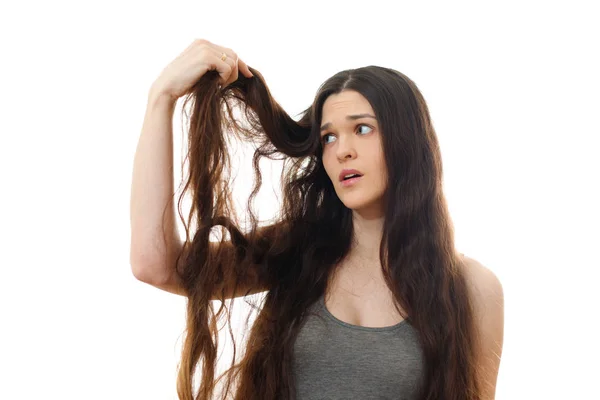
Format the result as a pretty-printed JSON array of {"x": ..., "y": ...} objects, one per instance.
[
  {"x": 356, "y": 203},
  {"x": 362, "y": 205}
]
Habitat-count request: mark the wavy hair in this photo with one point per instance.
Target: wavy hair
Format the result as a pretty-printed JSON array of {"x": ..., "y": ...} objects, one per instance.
[{"x": 293, "y": 258}]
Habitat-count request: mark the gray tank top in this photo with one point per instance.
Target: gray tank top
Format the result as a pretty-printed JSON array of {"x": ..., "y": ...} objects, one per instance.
[{"x": 337, "y": 360}]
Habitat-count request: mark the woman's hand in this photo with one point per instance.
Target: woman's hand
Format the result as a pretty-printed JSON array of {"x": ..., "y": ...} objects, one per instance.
[{"x": 201, "y": 56}]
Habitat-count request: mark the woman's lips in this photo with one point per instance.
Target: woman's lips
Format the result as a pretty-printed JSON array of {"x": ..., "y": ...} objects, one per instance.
[{"x": 351, "y": 181}]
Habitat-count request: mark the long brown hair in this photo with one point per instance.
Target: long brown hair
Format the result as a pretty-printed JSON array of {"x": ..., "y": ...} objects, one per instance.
[{"x": 295, "y": 256}]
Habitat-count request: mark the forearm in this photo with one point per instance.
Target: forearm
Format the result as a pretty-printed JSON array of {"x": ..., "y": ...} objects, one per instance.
[{"x": 152, "y": 189}]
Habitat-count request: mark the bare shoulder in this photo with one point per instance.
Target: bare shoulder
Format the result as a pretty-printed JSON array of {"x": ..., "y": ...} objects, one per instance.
[
  {"x": 486, "y": 292},
  {"x": 488, "y": 300},
  {"x": 483, "y": 281}
]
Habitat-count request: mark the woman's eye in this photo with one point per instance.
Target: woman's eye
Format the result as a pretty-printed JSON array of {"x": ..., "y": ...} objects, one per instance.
[
  {"x": 365, "y": 126},
  {"x": 324, "y": 138}
]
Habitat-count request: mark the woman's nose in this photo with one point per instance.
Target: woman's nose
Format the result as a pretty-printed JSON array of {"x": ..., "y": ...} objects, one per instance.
[{"x": 345, "y": 149}]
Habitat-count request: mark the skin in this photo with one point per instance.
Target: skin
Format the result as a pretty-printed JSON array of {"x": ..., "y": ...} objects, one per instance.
[{"x": 356, "y": 144}]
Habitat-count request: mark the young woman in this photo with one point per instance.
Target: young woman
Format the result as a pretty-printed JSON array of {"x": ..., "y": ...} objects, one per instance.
[{"x": 366, "y": 295}]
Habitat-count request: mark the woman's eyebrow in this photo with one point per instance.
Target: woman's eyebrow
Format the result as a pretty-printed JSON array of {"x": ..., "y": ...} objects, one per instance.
[{"x": 349, "y": 118}]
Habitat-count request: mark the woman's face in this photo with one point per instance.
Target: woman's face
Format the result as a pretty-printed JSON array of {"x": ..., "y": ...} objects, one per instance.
[{"x": 351, "y": 142}]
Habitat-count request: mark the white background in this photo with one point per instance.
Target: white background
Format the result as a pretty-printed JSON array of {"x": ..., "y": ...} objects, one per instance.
[{"x": 512, "y": 89}]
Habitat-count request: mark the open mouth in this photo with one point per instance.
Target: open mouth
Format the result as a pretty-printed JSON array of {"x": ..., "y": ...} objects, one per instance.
[
  {"x": 350, "y": 180},
  {"x": 347, "y": 178}
]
